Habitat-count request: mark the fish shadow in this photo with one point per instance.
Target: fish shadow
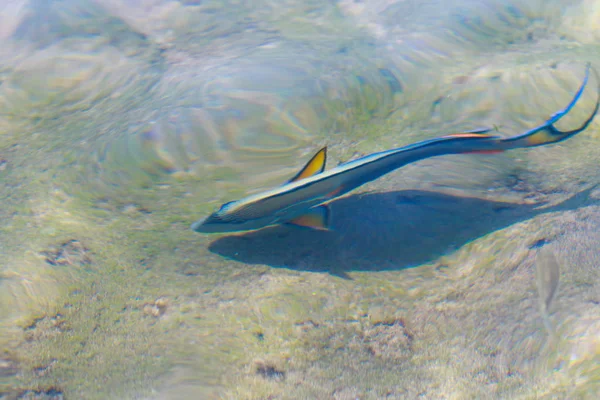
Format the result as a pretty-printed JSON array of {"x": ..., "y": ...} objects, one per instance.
[{"x": 383, "y": 231}]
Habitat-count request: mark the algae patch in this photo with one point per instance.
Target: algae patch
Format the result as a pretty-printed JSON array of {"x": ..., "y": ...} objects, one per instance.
[{"x": 72, "y": 252}]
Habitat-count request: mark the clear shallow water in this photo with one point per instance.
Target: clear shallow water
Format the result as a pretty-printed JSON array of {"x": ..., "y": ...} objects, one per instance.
[{"x": 122, "y": 122}]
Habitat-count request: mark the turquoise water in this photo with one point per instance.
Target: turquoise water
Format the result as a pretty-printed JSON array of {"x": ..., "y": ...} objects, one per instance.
[{"x": 123, "y": 121}]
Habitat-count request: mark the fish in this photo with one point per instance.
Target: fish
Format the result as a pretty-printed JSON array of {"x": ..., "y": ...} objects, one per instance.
[
  {"x": 304, "y": 199},
  {"x": 547, "y": 276}
]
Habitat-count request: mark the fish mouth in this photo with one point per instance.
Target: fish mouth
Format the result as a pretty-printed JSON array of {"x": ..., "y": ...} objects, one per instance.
[
  {"x": 198, "y": 226},
  {"x": 207, "y": 225}
]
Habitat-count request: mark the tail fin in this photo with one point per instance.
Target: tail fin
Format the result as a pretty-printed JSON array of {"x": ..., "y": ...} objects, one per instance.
[{"x": 547, "y": 132}]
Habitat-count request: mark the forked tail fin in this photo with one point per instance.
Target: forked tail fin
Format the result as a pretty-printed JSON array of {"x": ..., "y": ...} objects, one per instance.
[{"x": 547, "y": 132}]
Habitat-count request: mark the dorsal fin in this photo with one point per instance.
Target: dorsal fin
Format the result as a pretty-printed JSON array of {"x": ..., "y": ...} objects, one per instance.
[{"x": 316, "y": 165}]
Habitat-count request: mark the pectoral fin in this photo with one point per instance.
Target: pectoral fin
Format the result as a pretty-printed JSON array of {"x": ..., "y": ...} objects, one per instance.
[
  {"x": 315, "y": 218},
  {"x": 316, "y": 165}
]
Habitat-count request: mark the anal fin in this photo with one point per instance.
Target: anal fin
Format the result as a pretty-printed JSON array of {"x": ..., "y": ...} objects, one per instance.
[{"x": 316, "y": 218}]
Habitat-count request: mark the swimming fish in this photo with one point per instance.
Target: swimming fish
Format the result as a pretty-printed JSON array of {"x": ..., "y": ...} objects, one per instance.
[
  {"x": 547, "y": 276},
  {"x": 302, "y": 201}
]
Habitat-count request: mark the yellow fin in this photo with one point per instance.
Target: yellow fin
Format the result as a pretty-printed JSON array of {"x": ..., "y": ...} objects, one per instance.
[
  {"x": 542, "y": 137},
  {"x": 316, "y": 218},
  {"x": 316, "y": 165}
]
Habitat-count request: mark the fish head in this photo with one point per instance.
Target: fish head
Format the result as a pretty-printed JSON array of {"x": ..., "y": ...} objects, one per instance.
[{"x": 228, "y": 219}]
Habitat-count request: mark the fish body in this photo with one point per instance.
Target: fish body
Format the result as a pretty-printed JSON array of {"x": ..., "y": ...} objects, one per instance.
[
  {"x": 295, "y": 198},
  {"x": 547, "y": 274},
  {"x": 303, "y": 199}
]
